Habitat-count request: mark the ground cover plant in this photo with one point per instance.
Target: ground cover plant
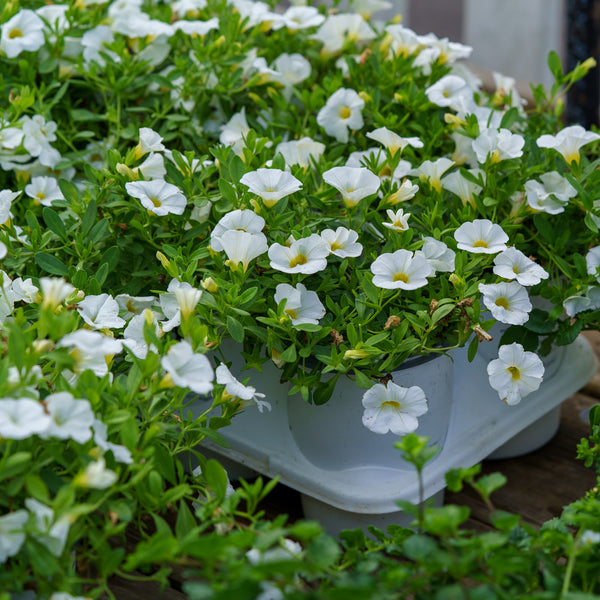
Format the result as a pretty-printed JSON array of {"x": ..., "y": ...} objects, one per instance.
[{"x": 172, "y": 181}]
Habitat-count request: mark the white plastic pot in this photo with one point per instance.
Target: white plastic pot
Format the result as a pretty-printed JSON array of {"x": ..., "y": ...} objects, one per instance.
[{"x": 356, "y": 481}]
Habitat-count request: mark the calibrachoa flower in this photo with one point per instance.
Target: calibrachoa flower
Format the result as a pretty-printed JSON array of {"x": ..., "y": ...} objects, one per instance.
[
  {"x": 90, "y": 350},
  {"x": 437, "y": 254},
  {"x": 187, "y": 369},
  {"x": 70, "y": 418},
  {"x": 241, "y": 220},
  {"x": 96, "y": 476},
  {"x": 12, "y": 533},
  {"x": 158, "y": 196},
  {"x": 354, "y": 183},
  {"x": 406, "y": 191},
  {"x": 392, "y": 141},
  {"x": 306, "y": 255},
  {"x": 6, "y": 200},
  {"x": 236, "y": 389},
  {"x": 150, "y": 141},
  {"x": 44, "y": 190},
  {"x": 592, "y": 260},
  {"x": 462, "y": 187},
  {"x": 300, "y": 152},
  {"x": 187, "y": 298},
  {"x": 401, "y": 269},
  {"x": 451, "y": 91},
  {"x": 398, "y": 220},
  {"x": 497, "y": 145},
  {"x": 587, "y": 299},
  {"x": 342, "y": 242},
  {"x": 394, "y": 408},
  {"x": 37, "y": 135},
  {"x": 341, "y": 27},
  {"x": 515, "y": 373},
  {"x": 133, "y": 335},
  {"x": 343, "y": 111},
  {"x": 551, "y": 195},
  {"x": 22, "y": 418},
  {"x": 54, "y": 291},
  {"x": 24, "y": 31},
  {"x": 432, "y": 171},
  {"x": 513, "y": 264},
  {"x": 302, "y": 305},
  {"x": 271, "y": 185},
  {"x": 242, "y": 247},
  {"x": 568, "y": 141},
  {"x": 481, "y": 237},
  {"x": 100, "y": 312},
  {"x": 50, "y": 531},
  {"x": 507, "y": 301}
]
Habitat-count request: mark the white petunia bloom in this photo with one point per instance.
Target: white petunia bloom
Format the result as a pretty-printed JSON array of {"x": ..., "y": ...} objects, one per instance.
[
  {"x": 463, "y": 188},
  {"x": 515, "y": 373},
  {"x": 50, "y": 531},
  {"x": 54, "y": 290},
  {"x": 37, "y": 135},
  {"x": 133, "y": 335},
  {"x": 3, "y": 250},
  {"x": 398, "y": 220},
  {"x": 354, "y": 183},
  {"x": 236, "y": 220},
  {"x": 158, "y": 196},
  {"x": 236, "y": 389},
  {"x": 551, "y": 195},
  {"x": 70, "y": 418},
  {"x": 394, "y": 408},
  {"x": 568, "y": 141},
  {"x": 187, "y": 298},
  {"x": 95, "y": 42},
  {"x": 290, "y": 70},
  {"x": 497, "y": 145},
  {"x": 24, "y": 291},
  {"x": 507, "y": 301},
  {"x": 437, "y": 254},
  {"x": 342, "y": 242},
  {"x": 22, "y": 418},
  {"x": 169, "y": 305},
  {"x": 451, "y": 91},
  {"x": 242, "y": 247},
  {"x": 188, "y": 369},
  {"x": 432, "y": 171},
  {"x": 12, "y": 533},
  {"x": 90, "y": 349},
  {"x": 302, "y": 305},
  {"x": 23, "y": 31},
  {"x": 406, "y": 191},
  {"x": 481, "y": 236},
  {"x": 302, "y": 17},
  {"x": 44, "y": 190},
  {"x": 100, "y": 312},
  {"x": 153, "y": 167},
  {"x": 592, "y": 260},
  {"x": 134, "y": 305},
  {"x": 300, "y": 152},
  {"x": 342, "y": 27},
  {"x": 121, "y": 453},
  {"x": 96, "y": 476},
  {"x": 342, "y": 112},
  {"x": 587, "y": 299},
  {"x": 306, "y": 255},
  {"x": 401, "y": 269},
  {"x": 6, "y": 200},
  {"x": 271, "y": 185},
  {"x": 235, "y": 130},
  {"x": 392, "y": 141},
  {"x": 197, "y": 27},
  {"x": 513, "y": 264},
  {"x": 150, "y": 141}
]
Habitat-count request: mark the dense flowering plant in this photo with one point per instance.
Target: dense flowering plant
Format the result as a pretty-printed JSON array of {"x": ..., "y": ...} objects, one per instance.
[{"x": 332, "y": 194}]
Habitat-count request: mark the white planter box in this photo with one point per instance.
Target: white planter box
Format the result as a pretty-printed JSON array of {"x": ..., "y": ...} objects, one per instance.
[{"x": 353, "y": 495}]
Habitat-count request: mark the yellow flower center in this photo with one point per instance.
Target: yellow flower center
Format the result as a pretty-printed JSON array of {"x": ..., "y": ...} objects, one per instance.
[
  {"x": 298, "y": 260},
  {"x": 514, "y": 371},
  {"x": 155, "y": 202},
  {"x": 345, "y": 112},
  {"x": 335, "y": 246},
  {"x": 15, "y": 33},
  {"x": 40, "y": 195},
  {"x": 516, "y": 269},
  {"x": 480, "y": 244},
  {"x": 291, "y": 312},
  {"x": 392, "y": 404},
  {"x": 503, "y": 302},
  {"x": 401, "y": 277}
]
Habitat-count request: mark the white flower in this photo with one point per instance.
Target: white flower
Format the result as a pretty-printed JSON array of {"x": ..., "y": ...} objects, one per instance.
[
  {"x": 134, "y": 305},
  {"x": 121, "y": 453},
  {"x": 150, "y": 141},
  {"x": 12, "y": 534},
  {"x": 158, "y": 196},
  {"x": 341, "y": 112},
  {"x": 24, "y": 31},
  {"x": 551, "y": 195},
  {"x": 463, "y": 188},
  {"x": 306, "y": 255},
  {"x": 242, "y": 247},
  {"x": 3, "y": 250},
  {"x": 394, "y": 408},
  {"x": 404, "y": 41},
  {"x": 437, "y": 254},
  {"x": 432, "y": 171},
  {"x": 197, "y": 27},
  {"x": 96, "y": 476},
  {"x": 236, "y": 389},
  {"x": 187, "y": 298},
  {"x": 300, "y": 152},
  {"x": 51, "y": 532},
  {"x": 6, "y": 200},
  {"x": 513, "y": 264},
  {"x": 507, "y": 301},
  {"x": 342, "y": 242},
  {"x": 286, "y": 551},
  {"x": 341, "y": 27},
  {"x": 354, "y": 183},
  {"x": 90, "y": 349},
  {"x": 271, "y": 185},
  {"x": 238, "y": 220},
  {"x": 54, "y": 290},
  {"x": 401, "y": 269},
  {"x": 70, "y": 418},
  {"x": 24, "y": 291},
  {"x": 515, "y": 373},
  {"x": 392, "y": 141},
  {"x": 568, "y": 141},
  {"x": 291, "y": 69},
  {"x": 235, "y": 130},
  {"x": 37, "y": 135},
  {"x": 497, "y": 145},
  {"x": 302, "y": 305},
  {"x": 406, "y": 191},
  {"x": 95, "y": 42},
  {"x": 44, "y": 190},
  {"x": 22, "y": 418},
  {"x": 302, "y": 17},
  {"x": 153, "y": 167},
  {"x": 188, "y": 369},
  {"x": 481, "y": 236},
  {"x": 587, "y": 299},
  {"x": 169, "y": 305},
  {"x": 398, "y": 220},
  {"x": 592, "y": 259},
  {"x": 133, "y": 335},
  {"x": 451, "y": 91},
  {"x": 100, "y": 312}
]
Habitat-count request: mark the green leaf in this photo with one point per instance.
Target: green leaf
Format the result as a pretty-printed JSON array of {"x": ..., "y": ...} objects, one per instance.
[
  {"x": 472, "y": 351},
  {"x": 89, "y": 217},
  {"x": 216, "y": 478},
  {"x": 489, "y": 483},
  {"x": 362, "y": 381},
  {"x": 185, "y": 520},
  {"x": 323, "y": 392},
  {"x": 69, "y": 190},
  {"x": 228, "y": 191},
  {"x": 54, "y": 222},
  {"x": 351, "y": 334},
  {"x": 289, "y": 354},
  {"x": 16, "y": 463},
  {"x": 555, "y": 65},
  {"x": 440, "y": 312},
  {"x": 235, "y": 329},
  {"x": 51, "y": 264},
  {"x": 98, "y": 231},
  {"x": 323, "y": 551}
]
